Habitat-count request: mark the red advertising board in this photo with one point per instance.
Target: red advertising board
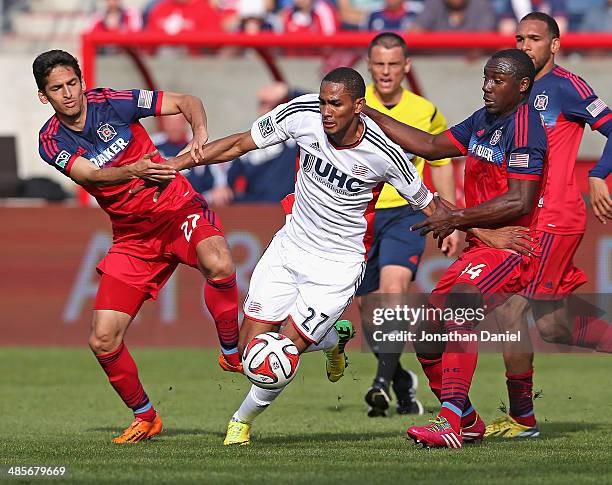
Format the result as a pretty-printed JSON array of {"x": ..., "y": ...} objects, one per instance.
[{"x": 48, "y": 283}]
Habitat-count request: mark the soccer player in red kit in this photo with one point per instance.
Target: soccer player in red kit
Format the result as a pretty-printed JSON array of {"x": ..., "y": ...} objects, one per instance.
[
  {"x": 505, "y": 143},
  {"x": 96, "y": 139},
  {"x": 567, "y": 103}
]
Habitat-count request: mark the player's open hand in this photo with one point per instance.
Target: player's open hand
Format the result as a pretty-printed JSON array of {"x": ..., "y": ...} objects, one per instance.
[
  {"x": 514, "y": 238},
  {"x": 153, "y": 174},
  {"x": 150, "y": 171},
  {"x": 440, "y": 223},
  {"x": 600, "y": 199}
]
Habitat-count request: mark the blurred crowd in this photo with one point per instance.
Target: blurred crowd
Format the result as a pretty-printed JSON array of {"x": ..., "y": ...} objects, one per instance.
[{"x": 330, "y": 16}]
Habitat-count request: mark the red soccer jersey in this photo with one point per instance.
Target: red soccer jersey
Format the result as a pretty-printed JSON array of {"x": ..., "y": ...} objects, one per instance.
[
  {"x": 566, "y": 103},
  {"x": 113, "y": 137}
]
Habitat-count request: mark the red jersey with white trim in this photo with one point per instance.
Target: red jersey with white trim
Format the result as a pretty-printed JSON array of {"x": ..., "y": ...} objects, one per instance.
[
  {"x": 337, "y": 187},
  {"x": 499, "y": 148},
  {"x": 566, "y": 103},
  {"x": 113, "y": 137}
]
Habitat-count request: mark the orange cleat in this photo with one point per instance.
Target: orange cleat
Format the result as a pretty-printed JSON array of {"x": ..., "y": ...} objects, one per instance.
[
  {"x": 226, "y": 366},
  {"x": 140, "y": 430}
]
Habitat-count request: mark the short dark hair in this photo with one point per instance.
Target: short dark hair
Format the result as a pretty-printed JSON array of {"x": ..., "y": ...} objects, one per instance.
[
  {"x": 388, "y": 40},
  {"x": 551, "y": 24},
  {"x": 352, "y": 80},
  {"x": 49, "y": 60},
  {"x": 521, "y": 63}
]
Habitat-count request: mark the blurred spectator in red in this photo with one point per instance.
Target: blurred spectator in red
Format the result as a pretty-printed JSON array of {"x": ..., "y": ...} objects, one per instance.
[
  {"x": 316, "y": 16},
  {"x": 116, "y": 18},
  {"x": 398, "y": 15},
  {"x": 458, "y": 15},
  {"x": 514, "y": 10},
  {"x": 598, "y": 19},
  {"x": 174, "y": 16}
]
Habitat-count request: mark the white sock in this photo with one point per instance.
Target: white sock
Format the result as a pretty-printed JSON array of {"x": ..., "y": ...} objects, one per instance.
[
  {"x": 329, "y": 342},
  {"x": 255, "y": 402}
]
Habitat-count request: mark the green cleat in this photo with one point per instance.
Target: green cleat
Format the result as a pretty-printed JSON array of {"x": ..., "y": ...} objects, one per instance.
[
  {"x": 337, "y": 360},
  {"x": 237, "y": 433}
]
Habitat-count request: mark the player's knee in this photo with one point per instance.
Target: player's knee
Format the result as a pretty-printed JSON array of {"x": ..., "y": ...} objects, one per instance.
[
  {"x": 104, "y": 342},
  {"x": 554, "y": 334},
  {"x": 215, "y": 259},
  {"x": 105, "y": 336}
]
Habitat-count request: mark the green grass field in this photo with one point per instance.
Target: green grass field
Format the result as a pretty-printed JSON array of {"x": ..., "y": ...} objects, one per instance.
[{"x": 57, "y": 408}]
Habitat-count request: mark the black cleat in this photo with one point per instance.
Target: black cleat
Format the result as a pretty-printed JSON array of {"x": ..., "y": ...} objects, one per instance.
[{"x": 378, "y": 400}]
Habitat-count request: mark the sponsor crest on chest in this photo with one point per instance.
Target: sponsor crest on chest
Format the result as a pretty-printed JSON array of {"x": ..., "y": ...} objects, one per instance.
[
  {"x": 106, "y": 132},
  {"x": 540, "y": 102},
  {"x": 497, "y": 134}
]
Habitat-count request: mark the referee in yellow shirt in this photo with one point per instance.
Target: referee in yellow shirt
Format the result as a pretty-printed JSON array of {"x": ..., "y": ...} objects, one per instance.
[{"x": 395, "y": 253}]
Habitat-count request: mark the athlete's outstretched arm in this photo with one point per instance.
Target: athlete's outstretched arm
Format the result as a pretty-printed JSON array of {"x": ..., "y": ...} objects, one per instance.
[
  {"x": 221, "y": 150},
  {"x": 516, "y": 202},
  {"x": 192, "y": 108},
  {"x": 413, "y": 140},
  {"x": 84, "y": 172}
]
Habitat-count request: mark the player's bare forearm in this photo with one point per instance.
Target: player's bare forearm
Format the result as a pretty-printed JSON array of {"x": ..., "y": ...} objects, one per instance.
[
  {"x": 190, "y": 106},
  {"x": 516, "y": 202},
  {"x": 443, "y": 178},
  {"x": 85, "y": 173},
  {"x": 222, "y": 150},
  {"x": 413, "y": 140}
]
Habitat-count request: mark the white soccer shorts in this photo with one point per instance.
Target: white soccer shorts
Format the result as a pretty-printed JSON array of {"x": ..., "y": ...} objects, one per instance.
[{"x": 312, "y": 291}]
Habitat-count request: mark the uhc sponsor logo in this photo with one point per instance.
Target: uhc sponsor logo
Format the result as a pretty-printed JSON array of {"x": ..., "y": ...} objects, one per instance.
[{"x": 335, "y": 179}]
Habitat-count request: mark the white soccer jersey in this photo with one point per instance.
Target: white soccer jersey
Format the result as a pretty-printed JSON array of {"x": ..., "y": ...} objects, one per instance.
[{"x": 337, "y": 187}]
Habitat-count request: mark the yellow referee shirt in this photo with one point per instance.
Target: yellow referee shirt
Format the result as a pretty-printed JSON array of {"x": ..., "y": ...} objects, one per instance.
[{"x": 414, "y": 111}]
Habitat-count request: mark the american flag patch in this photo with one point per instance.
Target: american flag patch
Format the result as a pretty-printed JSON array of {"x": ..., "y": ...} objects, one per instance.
[
  {"x": 254, "y": 307},
  {"x": 421, "y": 195},
  {"x": 145, "y": 99},
  {"x": 520, "y": 160},
  {"x": 596, "y": 107},
  {"x": 359, "y": 170}
]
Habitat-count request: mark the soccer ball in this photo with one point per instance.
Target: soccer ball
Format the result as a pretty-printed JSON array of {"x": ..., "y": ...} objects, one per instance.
[{"x": 271, "y": 360}]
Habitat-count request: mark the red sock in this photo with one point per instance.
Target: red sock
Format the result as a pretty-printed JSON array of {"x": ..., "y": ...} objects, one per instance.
[
  {"x": 592, "y": 333},
  {"x": 520, "y": 394},
  {"x": 123, "y": 376},
  {"x": 433, "y": 370},
  {"x": 221, "y": 297},
  {"x": 458, "y": 366}
]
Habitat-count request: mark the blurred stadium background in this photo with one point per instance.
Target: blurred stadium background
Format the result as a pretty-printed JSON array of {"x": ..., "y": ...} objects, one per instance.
[{"x": 230, "y": 53}]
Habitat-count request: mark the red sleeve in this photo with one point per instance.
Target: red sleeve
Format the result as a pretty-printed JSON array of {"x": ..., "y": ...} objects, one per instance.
[{"x": 456, "y": 142}]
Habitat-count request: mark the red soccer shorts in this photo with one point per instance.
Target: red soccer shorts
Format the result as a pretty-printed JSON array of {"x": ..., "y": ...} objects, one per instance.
[
  {"x": 147, "y": 263},
  {"x": 496, "y": 273},
  {"x": 556, "y": 276}
]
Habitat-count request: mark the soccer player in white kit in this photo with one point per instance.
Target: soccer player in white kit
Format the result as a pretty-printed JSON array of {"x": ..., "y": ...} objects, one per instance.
[{"x": 314, "y": 264}]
